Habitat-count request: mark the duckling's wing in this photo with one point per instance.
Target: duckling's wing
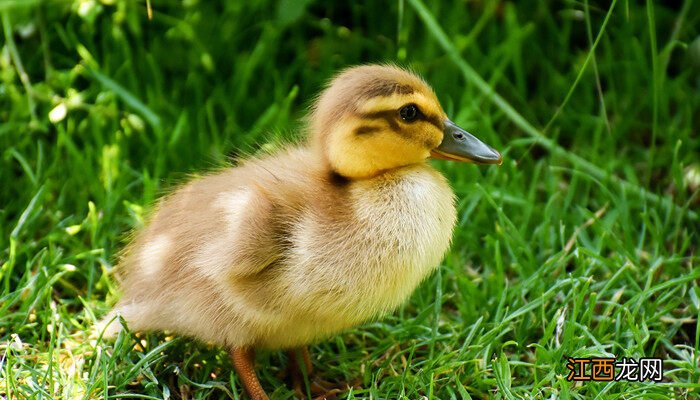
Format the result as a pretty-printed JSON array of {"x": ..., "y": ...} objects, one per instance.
[
  {"x": 245, "y": 234},
  {"x": 233, "y": 223}
]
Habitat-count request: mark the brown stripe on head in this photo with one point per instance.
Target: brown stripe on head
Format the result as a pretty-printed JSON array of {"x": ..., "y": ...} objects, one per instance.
[{"x": 383, "y": 88}]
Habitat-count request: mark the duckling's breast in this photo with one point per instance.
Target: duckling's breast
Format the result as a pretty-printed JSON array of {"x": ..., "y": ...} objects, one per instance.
[{"x": 395, "y": 230}]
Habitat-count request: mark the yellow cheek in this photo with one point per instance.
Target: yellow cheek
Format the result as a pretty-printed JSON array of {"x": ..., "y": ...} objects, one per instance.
[
  {"x": 343, "y": 157},
  {"x": 430, "y": 136},
  {"x": 362, "y": 156}
]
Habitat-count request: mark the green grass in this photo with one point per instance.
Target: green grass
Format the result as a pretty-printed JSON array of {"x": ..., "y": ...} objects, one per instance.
[{"x": 584, "y": 243}]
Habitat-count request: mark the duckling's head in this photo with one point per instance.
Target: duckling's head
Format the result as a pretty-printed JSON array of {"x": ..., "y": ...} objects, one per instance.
[{"x": 374, "y": 118}]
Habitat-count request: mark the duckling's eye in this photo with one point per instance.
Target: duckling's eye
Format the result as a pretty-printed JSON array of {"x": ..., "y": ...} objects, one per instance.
[{"x": 409, "y": 113}]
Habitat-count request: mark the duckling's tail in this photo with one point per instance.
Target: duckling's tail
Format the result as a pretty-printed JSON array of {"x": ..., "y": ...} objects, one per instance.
[{"x": 108, "y": 327}]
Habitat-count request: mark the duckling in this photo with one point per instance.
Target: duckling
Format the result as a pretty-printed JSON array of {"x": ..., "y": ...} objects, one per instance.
[{"x": 289, "y": 248}]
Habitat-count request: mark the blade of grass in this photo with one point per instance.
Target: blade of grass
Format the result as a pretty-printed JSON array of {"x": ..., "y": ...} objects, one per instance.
[
  {"x": 655, "y": 87},
  {"x": 17, "y": 61},
  {"x": 589, "y": 57},
  {"x": 599, "y": 88},
  {"x": 7, "y": 5},
  {"x": 129, "y": 98},
  {"x": 8, "y": 266},
  {"x": 673, "y": 39}
]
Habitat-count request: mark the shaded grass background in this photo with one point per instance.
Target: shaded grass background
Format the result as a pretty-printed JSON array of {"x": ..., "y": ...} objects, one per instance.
[{"x": 583, "y": 243}]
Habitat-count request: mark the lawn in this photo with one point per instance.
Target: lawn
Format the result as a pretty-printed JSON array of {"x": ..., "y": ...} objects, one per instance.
[{"x": 583, "y": 244}]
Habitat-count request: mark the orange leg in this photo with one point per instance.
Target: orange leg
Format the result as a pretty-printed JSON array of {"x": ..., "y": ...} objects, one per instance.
[
  {"x": 295, "y": 373},
  {"x": 324, "y": 390},
  {"x": 242, "y": 359}
]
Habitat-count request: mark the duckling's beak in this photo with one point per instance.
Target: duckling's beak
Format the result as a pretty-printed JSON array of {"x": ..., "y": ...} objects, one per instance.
[{"x": 460, "y": 145}]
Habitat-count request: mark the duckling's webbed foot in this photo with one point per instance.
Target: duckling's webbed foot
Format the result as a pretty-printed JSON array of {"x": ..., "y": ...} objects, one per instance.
[
  {"x": 242, "y": 359},
  {"x": 300, "y": 363}
]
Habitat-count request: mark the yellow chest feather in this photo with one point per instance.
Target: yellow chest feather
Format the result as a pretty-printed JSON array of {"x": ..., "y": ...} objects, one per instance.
[{"x": 400, "y": 230}]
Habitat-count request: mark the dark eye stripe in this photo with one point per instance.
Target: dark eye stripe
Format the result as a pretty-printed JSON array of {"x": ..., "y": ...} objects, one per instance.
[
  {"x": 387, "y": 115},
  {"x": 366, "y": 129},
  {"x": 432, "y": 119}
]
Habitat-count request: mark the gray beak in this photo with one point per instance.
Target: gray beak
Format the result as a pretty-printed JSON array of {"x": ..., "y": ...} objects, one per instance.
[{"x": 460, "y": 145}]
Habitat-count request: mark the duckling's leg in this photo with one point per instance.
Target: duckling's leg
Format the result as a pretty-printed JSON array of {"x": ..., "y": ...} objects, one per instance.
[
  {"x": 242, "y": 359},
  {"x": 325, "y": 390},
  {"x": 294, "y": 368},
  {"x": 295, "y": 363}
]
